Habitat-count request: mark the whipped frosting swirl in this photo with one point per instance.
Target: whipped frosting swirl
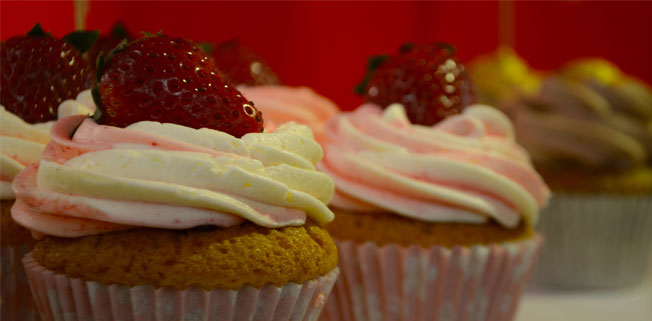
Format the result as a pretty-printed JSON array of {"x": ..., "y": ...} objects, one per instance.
[
  {"x": 94, "y": 179},
  {"x": 466, "y": 168},
  {"x": 281, "y": 104},
  {"x": 21, "y": 143}
]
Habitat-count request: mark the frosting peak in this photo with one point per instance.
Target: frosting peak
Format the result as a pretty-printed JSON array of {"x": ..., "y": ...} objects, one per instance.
[{"x": 466, "y": 168}]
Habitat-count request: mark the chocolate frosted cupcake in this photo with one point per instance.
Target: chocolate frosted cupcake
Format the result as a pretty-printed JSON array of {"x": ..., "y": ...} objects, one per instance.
[
  {"x": 139, "y": 219},
  {"x": 589, "y": 134},
  {"x": 432, "y": 223}
]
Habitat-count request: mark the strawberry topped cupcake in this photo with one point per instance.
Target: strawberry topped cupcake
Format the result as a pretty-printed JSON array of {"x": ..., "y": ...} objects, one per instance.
[
  {"x": 38, "y": 72},
  {"x": 259, "y": 83},
  {"x": 435, "y": 202},
  {"x": 173, "y": 203}
]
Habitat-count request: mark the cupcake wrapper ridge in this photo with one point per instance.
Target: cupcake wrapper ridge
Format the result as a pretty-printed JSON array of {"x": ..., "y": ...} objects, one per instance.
[
  {"x": 17, "y": 303},
  {"x": 478, "y": 283},
  {"x": 59, "y": 297},
  {"x": 595, "y": 241}
]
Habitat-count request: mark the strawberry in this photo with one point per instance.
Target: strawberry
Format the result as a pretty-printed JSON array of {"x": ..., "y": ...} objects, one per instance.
[
  {"x": 241, "y": 65},
  {"x": 106, "y": 42},
  {"x": 427, "y": 79},
  {"x": 40, "y": 71},
  {"x": 168, "y": 80}
]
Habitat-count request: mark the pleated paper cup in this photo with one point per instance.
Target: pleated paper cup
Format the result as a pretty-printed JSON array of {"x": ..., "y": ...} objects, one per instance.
[
  {"x": 17, "y": 303},
  {"x": 479, "y": 283},
  {"x": 59, "y": 297},
  {"x": 595, "y": 241}
]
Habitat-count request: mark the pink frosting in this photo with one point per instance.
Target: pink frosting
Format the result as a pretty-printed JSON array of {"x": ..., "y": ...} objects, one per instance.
[
  {"x": 281, "y": 104},
  {"x": 67, "y": 215},
  {"x": 465, "y": 169}
]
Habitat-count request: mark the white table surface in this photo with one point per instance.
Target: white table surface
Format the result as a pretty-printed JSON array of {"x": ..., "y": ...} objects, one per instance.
[{"x": 633, "y": 304}]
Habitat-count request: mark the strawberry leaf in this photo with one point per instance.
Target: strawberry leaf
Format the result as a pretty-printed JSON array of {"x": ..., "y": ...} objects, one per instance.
[
  {"x": 95, "y": 92},
  {"x": 37, "y": 31},
  {"x": 99, "y": 66},
  {"x": 82, "y": 40},
  {"x": 373, "y": 64},
  {"x": 103, "y": 59}
]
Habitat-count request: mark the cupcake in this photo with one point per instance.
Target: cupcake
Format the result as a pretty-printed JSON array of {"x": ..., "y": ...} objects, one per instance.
[
  {"x": 30, "y": 92},
  {"x": 434, "y": 213},
  {"x": 146, "y": 214},
  {"x": 283, "y": 104},
  {"x": 588, "y": 131},
  {"x": 259, "y": 83},
  {"x": 503, "y": 75}
]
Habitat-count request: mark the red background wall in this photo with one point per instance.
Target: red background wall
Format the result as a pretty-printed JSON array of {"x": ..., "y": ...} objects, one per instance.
[{"x": 325, "y": 44}]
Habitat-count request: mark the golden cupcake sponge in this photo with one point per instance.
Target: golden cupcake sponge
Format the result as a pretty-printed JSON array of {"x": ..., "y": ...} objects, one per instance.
[
  {"x": 386, "y": 228},
  {"x": 208, "y": 258}
]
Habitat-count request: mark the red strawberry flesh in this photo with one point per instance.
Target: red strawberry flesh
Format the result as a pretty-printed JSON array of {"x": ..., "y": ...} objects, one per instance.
[
  {"x": 427, "y": 79},
  {"x": 242, "y": 66},
  {"x": 38, "y": 73}
]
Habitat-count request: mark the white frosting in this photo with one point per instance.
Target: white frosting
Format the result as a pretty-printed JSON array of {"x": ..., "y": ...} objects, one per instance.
[
  {"x": 130, "y": 172},
  {"x": 466, "y": 168},
  {"x": 21, "y": 143},
  {"x": 103, "y": 177}
]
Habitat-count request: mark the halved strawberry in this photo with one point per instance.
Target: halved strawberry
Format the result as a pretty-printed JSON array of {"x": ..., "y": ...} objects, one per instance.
[
  {"x": 40, "y": 71},
  {"x": 170, "y": 80},
  {"x": 240, "y": 65},
  {"x": 427, "y": 79}
]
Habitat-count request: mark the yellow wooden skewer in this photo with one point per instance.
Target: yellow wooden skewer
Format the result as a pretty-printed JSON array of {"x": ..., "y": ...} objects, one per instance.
[
  {"x": 506, "y": 23},
  {"x": 81, "y": 12}
]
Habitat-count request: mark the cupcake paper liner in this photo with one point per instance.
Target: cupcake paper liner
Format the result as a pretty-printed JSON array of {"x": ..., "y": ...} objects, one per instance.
[
  {"x": 595, "y": 241},
  {"x": 60, "y": 298},
  {"x": 436, "y": 284},
  {"x": 17, "y": 303}
]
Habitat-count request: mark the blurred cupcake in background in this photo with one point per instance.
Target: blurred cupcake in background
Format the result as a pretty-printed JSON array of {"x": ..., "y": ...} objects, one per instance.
[
  {"x": 588, "y": 131},
  {"x": 435, "y": 202},
  {"x": 503, "y": 75},
  {"x": 41, "y": 75},
  {"x": 259, "y": 83}
]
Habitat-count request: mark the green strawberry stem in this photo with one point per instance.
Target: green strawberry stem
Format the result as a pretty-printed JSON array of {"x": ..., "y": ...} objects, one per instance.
[
  {"x": 374, "y": 63},
  {"x": 206, "y": 47},
  {"x": 119, "y": 31},
  {"x": 152, "y": 34}
]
